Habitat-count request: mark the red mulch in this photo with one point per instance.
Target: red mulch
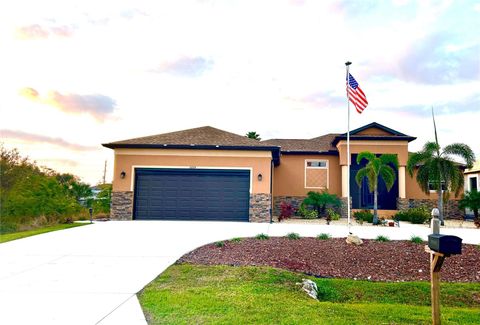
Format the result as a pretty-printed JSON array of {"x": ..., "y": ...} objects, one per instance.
[{"x": 377, "y": 261}]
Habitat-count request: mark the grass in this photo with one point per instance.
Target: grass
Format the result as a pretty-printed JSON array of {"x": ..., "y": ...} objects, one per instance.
[
  {"x": 293, "y": 235},
  {"x": 416, "y": 239},
  {"x": 324, "y": 236},
  {"x": 219, "y": 243},
  {"x": 262, "y": 237},
  {"x": 236, "y": 240},
  {"x": 22, "y": 234},
  {"x": 381, "y": 238},
  {"x": 193, "y": 294}
]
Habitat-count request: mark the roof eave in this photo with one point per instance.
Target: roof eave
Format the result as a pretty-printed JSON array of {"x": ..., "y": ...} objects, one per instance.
[{"x": 306, "y": 152}]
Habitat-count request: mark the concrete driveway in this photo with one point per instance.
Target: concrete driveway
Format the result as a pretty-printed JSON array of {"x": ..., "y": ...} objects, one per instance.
[{"x": 91, "y": 274}]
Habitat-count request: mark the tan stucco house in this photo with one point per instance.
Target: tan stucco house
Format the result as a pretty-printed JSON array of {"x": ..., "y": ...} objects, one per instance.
[{"x": 209, "y": 174}]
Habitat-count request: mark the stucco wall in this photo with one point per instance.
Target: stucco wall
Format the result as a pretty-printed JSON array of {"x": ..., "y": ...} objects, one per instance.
[
  {"x": 127, "y": 159},
  {"x": 289, "y": 177},
  {"x": 414, "y": 191},
  {"x": 400, "y": 148},
  {"x": 373, "y": 131}
]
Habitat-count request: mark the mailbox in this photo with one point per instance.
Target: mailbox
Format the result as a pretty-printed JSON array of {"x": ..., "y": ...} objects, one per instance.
[{"x": 445, "y": 244}]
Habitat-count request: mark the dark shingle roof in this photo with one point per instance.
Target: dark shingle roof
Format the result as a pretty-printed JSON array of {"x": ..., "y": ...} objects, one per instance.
[
  {"x": 319, "y": 144},
  {"x": 202, "y": 136}
]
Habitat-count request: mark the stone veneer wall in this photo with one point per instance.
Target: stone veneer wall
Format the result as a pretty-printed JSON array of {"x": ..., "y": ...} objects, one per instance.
[
  {"x": 122, "y": 206},
  {"x": 260, "y": 207},
  {"x": 344, "y": 207},
  {"x": 295, "y": 201},
  {"x": 450, "y": 209}
]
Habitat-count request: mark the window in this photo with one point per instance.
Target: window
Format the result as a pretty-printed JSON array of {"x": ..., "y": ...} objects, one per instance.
[
  {"x": 433, "y": 186},
  {"x": 473, "y": 184},
  {"x": 317, "y": 163},
  {"x": 316, "y": 174}
]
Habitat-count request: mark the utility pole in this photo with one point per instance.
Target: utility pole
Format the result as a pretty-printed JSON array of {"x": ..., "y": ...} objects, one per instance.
[{"x": 104, "y": 172}]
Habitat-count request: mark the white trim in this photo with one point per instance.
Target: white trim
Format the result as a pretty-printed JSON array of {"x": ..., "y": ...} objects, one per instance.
[
  {"x": 305, "y": 173},
  {"x": 189, "y": 167}
]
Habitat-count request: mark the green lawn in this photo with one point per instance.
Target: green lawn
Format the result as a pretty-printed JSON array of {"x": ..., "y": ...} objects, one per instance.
[
  {"x": 192, "y": 294},
  {"x": 28, "y": 233}
]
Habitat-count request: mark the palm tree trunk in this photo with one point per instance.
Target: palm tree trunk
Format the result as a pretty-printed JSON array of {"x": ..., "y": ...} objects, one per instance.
[
  {"x": 440, "y": 204},
  {"x": 375, "y": 207}
]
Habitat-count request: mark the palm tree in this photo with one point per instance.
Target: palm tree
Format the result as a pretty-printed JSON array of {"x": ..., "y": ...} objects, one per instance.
[
  {"x": 375, "y": 168},
  {"x": 253, "y": 135},
  {"x": 436, "y": 167},
  {"x": 471, "y": 200}
]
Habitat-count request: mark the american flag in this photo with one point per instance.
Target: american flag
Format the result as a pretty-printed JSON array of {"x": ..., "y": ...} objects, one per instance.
[{"x": 355, "y": 94}]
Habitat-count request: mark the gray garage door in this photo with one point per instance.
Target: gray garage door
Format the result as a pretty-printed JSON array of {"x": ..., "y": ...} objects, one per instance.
[{"x": 191, "y": 194}]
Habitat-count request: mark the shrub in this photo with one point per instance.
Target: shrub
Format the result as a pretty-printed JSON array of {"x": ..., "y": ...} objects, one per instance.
[
  {"x": 219, "y": 243},
  {"x": 320, "y": 201},
  {"x": 333, "y": 214},
  {"x": 236, "y": 240},
  {"x": 381, "y": 238},
  {"x": 286, "y": 211},
  {"x": 416, "y": 239},
  {"x": 293, "y": 235},
  {"x": 414, "y": 215},
  {"x": 262, "y": 237},
  {"x": 324, "y": 236},
  {"x": 364, "y": 215},
  {"x": 307, "y": 213}
]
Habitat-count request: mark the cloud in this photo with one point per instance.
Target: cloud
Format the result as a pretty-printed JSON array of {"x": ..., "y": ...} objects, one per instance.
[
  {"x": 97, "y": 105},
  {"x": 38, "y": 138},
  {"x": 38, "y": 32},
  {"x": 432, "y": 60},
  {"x": 185, "y": 67}
]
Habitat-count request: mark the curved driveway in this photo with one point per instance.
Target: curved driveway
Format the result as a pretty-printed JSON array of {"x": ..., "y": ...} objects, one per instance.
[{"x": 91, "y": 274}]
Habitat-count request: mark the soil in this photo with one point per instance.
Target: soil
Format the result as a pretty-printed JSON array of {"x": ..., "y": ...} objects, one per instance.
[{"x": 334, "y": 258}]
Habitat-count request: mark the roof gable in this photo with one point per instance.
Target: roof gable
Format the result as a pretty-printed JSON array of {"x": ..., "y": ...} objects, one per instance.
[{"x": 375, "y": 129}]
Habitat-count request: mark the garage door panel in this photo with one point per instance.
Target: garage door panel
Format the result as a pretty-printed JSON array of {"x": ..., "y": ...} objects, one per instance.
[{"x": 191, "y": 194}]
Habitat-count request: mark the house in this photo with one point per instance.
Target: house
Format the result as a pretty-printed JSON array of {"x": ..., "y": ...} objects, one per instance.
[
  {"x": 210, "y": 174},
  {"x": 472, "y": 178}
]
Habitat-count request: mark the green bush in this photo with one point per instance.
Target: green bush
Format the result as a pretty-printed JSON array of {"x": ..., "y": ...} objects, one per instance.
[
  {"x": 219, "y": 243},
  {"x": 363, "y": 215},
  {"x": 262, "y": 237},
  {"x": 381, "y": 238},
  {"x": 306, "y": 213},
  {"x": 236, "y": 240},
  {"x": 293, "y": 235},
  {"x": 414, "y": 215},
  {"x": 333, "y": 214},
  {"x": 324, "y": 236},
  {"x": 416, "y": 239},
  {"x": 320, "y": 201}
]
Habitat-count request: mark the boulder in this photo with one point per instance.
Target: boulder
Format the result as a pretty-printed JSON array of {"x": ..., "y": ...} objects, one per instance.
[{"x": 352, "y": 239}]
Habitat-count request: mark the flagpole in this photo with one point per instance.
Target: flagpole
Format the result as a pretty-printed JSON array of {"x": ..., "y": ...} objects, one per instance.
[{"x": 347, "y": 64}]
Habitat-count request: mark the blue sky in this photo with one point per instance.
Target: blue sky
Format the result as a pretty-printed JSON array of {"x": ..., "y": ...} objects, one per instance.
[{"x": 79, "y": 73}]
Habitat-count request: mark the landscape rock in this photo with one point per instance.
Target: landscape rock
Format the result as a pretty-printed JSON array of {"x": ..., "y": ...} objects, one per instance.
[
  {"x": 310, "y": 288},
  {"x": 352, "y": 239}
]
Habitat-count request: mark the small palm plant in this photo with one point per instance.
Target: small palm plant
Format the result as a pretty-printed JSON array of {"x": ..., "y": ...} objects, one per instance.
[
  {"x": 375, "y": 168},
  {"x": 320, "y": 201}
]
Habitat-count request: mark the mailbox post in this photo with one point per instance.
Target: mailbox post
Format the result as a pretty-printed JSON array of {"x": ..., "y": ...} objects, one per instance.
[{"x": 439, "y": 247}]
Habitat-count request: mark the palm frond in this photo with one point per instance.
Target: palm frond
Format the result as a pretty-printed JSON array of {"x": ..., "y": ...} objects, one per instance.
[
  {"x": 417, "y": 158},
  {"x": 360, "y": 175},
  {"x": 461, "y": 150},
  {"x": 388, "y": 158},
  {"x": 365, "y": 155},
  {"x": 388, "y": 176},
  {"x": 423, "y": 177},
  {"x": 431, "y": 148}
]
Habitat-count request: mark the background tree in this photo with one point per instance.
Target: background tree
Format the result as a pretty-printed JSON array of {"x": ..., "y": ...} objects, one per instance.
[
  {"x": 436, "y": 167},
  {"x": 253, "y": 135},
  {"x": 377, "y": 167}
]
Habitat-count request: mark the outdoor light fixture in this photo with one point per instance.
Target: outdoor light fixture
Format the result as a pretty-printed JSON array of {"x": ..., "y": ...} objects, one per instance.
[
  {"x": 123, "y": 174},
  {"x": 259, "y": 177}
]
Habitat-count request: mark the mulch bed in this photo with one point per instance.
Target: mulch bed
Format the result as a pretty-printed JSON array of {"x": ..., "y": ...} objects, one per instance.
[{"x": 334, "y": 258}]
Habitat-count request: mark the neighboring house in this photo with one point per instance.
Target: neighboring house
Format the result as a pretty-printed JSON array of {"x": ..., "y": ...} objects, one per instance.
[
  {"x": 210, "y": 174},
  {"x": 472, "y": 179}
]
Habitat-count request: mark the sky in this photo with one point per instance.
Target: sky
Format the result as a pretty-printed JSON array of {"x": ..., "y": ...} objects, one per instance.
[{"x": 76, "y": 74}]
